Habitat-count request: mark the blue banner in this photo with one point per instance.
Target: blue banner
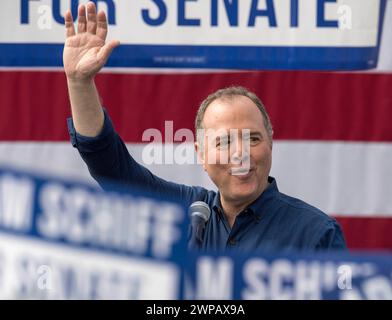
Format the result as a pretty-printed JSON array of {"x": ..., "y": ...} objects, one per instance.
[
  {"x": 68, "y": 240},
  {"x": 316, "y": 276}
]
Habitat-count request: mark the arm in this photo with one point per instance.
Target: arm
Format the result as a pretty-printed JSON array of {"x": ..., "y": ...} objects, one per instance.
[
  {"x": 85, "y": 53},
  {"x": 107, "y": 158},
  {"x": 92, "y": 133}
]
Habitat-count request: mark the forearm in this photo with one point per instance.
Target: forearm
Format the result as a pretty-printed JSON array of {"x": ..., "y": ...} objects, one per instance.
[{"x": 87, "y": 113}]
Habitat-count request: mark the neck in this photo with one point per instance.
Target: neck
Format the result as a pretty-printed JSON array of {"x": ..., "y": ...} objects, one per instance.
[{"x": 233, "y": 208}]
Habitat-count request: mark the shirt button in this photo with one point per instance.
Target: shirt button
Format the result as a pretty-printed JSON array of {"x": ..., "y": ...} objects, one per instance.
[{"x": 232, "y": 242}]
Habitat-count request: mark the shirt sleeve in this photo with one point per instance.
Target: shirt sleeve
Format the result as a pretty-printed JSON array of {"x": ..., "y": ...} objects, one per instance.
[
  {"x": 332, "y": 238},
  {"x": 107, "y": 158}
]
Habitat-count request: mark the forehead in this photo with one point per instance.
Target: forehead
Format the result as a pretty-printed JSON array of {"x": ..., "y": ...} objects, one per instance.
[{"x": 237, "y": 112}]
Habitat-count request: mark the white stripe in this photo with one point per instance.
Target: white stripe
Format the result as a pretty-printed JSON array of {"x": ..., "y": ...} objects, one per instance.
[
  {"x": 339, "y": 178},
  {"x": 61, "y": 159},
  {"x": 342, "y": 178}
]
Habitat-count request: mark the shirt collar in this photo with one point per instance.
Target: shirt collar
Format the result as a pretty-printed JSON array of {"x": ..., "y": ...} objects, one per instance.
[{"x": 258, "y": 206}]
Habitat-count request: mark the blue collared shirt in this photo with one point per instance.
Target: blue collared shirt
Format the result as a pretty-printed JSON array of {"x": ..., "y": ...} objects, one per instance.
[{"x": 274, "y": 222}]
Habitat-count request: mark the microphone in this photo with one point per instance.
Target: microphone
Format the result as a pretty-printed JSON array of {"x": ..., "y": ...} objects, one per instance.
[{"x": 199, "y": 213}]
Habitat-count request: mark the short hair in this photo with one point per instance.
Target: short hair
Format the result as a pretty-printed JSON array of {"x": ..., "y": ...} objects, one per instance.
[{"x": 232, "y": 92}]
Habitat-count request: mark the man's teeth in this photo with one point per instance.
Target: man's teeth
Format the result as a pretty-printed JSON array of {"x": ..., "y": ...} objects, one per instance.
[{"x": 240, "y": 171}]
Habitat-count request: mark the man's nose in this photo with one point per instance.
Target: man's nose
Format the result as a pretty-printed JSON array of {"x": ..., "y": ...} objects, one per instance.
[{"x": 240, "y": 152}]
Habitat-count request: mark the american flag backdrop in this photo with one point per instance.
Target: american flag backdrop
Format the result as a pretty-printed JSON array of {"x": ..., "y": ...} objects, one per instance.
[{"x": 332, "y": 130}]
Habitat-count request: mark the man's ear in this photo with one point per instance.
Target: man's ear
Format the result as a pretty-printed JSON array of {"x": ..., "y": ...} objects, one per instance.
[{"x": 200, "y": 155}]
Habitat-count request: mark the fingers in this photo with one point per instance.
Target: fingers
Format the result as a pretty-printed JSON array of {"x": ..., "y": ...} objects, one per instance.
[
  {"x": 92, "y": 18},
  {"x": 107, "y": 49},
  {"x": 87, "y": 19},
  {"x": 69, "y": 26},
  {"x": 82, "y": 20},
  {"x": 102, "y": 25}
]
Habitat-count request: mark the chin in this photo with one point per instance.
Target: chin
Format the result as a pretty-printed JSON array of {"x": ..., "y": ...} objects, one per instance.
[{"x": 244, "y": 194}]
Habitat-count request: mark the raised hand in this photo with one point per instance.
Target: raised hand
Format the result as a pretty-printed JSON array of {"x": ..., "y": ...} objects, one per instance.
[{"x": 85, "y": 52}]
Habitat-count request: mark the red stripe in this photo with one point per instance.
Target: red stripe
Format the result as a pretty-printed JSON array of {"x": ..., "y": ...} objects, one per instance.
[
  {"x": 302, "y": 105},
  {"x": 368, "y": 233}
]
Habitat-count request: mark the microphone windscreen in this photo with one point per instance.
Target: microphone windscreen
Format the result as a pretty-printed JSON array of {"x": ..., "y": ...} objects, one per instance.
[{"x": 201, "y": 209}]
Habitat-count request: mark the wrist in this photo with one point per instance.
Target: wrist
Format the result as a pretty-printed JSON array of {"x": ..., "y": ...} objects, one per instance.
[{"x": 77, "y": 82}]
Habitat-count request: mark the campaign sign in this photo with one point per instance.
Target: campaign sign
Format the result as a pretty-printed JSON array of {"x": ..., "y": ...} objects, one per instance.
[
  {"x": 67, "y": 240},
  {"x": 230, "y": 34},
  {"x": 316, "y": 276}
]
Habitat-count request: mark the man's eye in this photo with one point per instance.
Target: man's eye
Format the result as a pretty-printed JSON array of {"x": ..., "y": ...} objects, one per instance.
[
  {"x": 254, "y": 140},
  {"x": 223, "y": 143}
]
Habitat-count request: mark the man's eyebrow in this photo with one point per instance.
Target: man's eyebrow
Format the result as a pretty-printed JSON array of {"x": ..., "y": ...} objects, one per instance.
[{"x": 253, "y": 133}]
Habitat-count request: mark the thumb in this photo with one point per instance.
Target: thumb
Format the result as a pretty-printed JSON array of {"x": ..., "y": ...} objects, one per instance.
[{"x": 107, "y": 49}]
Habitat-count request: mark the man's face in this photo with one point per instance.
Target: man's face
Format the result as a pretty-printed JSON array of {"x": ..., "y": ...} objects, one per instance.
[{"x": 238, "y": 142}]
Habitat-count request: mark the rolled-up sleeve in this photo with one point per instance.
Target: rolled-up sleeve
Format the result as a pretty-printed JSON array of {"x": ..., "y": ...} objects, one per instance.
[{"x": 92, "y": 144}]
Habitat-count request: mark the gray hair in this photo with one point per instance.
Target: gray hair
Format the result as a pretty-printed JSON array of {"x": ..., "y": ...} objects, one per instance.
[{"x": 230, "y": 93}]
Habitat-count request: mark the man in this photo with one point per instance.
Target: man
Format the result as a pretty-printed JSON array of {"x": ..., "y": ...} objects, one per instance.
[{"x": 248, "y": 212}]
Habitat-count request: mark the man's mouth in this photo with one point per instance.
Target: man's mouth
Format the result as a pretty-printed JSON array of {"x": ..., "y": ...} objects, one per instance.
[{"x": 241, "y": 171}]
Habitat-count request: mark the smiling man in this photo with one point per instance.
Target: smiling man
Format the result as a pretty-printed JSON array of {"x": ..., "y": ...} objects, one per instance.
[
  {"x": 242, "y": 175},
  {"x": 248, "y": 212}
]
